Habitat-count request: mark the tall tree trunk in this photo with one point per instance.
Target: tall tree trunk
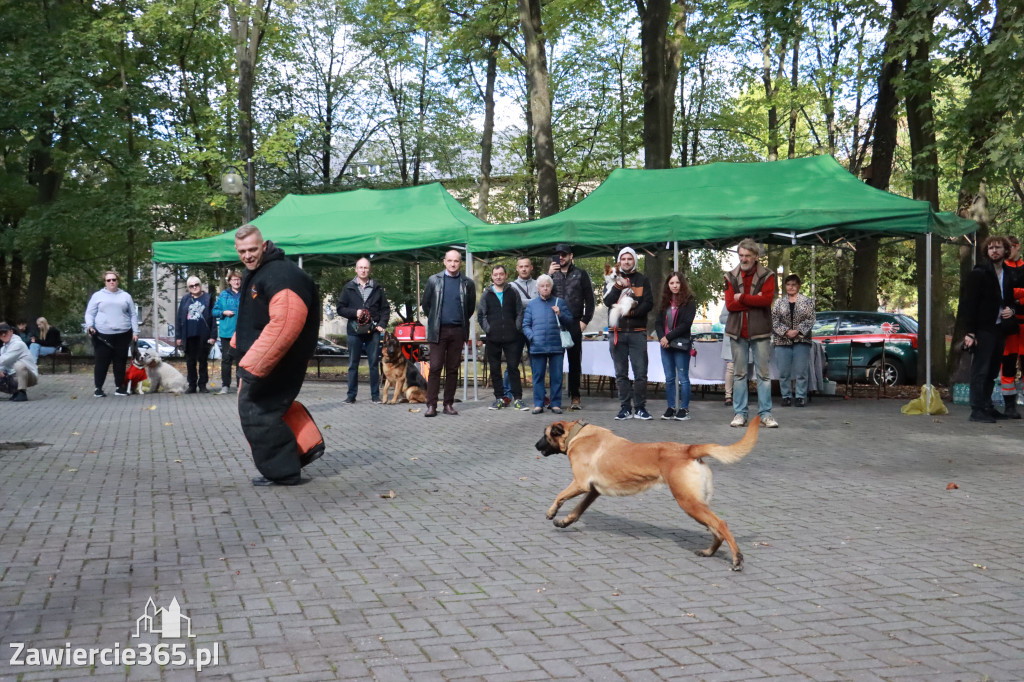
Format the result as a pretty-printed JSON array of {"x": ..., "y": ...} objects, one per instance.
[
  {"x": 660, "y": 55},
  {"x": 771, "y": 88},
  {"x": 865, "y": 260},
  {"x": 421, "y": 113},
  {"x": 540, "y": 105},
  {"x": 248, "y": 25},
  {"x": 794, "y": 83},
  {"x": 531, "y": 166},
  {"x": 487, "y": 141},
  {"x": 921, "y": 127}
]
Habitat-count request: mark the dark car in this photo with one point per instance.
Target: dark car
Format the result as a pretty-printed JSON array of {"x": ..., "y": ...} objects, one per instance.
[
  {"x": 865, "y": 333},
  {"x": 325, "y": 347}
]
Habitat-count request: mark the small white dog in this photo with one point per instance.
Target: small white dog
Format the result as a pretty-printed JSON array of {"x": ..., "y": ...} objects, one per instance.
[
  {"x": 622, "y": 307},
  {"x": 162, "y": 375}
]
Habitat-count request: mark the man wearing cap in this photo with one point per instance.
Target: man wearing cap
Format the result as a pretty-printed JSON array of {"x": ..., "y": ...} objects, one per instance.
[
  {"x": 628, "y": 340},
  {"x": 573, "y": 285},
  {"x": 17, "y": 368},
  {"x": 194, "y": 329}
]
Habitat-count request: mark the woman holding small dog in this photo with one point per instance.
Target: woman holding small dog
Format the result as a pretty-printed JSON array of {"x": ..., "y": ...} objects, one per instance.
[
  {"x": 544, "y": 319},
  {"x": 675, "y": 317}
]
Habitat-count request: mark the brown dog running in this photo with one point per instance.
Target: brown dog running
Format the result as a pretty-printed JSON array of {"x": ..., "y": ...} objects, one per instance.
[
  {"x": 397, "y": 371},
  {"x": 603, "y": 463}
]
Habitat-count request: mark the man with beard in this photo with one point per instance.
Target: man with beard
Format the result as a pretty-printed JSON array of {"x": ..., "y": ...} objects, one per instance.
[
  {"x": 275, "y": 336},
  {"x": 749, "y": 292},
  {"x": 573, "y": 285},
  {"x": 988, "y": 305}
]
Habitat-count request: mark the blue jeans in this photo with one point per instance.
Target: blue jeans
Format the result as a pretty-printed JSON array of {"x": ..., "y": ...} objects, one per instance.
[
  {"x": 794, "y": 363},
  {"x": 762, "y": 360},
  {"x": 358, "y": 345},
  {"x": 550, "y": 363},
  {"x": 36, "y": 350},
  {"x": 676, "y": 364}
]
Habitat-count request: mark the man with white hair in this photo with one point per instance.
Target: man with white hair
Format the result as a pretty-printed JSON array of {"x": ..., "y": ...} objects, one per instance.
[
  {"x": 628, "y": 339},
  {"x": 194, "y": 329},
  {"x": 749, "y": 292}
]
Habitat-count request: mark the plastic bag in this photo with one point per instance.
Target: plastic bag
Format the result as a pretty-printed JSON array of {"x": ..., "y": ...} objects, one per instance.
[{"x": 934, "y": 406}]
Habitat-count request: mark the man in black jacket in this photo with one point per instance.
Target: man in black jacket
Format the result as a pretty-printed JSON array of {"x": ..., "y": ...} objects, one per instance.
[
  {"x": 500, "y": 314},
  {"x": 363, "y": 303},
  {"x": 628, "y": 340},
  {"x": 573, "y": 285},
  {"x": 988, "y": 302},
  {"x": 278, "y": 323},
  {"x": 449, "y": 300}
]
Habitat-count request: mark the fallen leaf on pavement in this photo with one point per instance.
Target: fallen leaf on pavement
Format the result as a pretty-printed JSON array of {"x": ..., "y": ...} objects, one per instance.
[
  {"x": 388, "y": 495},
  {"x": 168, "y": 423},
  {"x": 952, "y": 486},
  {"x": 984, "y": 568},
  {"x": 411, "y": 409}
]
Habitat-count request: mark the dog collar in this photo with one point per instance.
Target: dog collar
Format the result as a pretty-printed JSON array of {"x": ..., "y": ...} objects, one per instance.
[{"x": 577, "y": 427}]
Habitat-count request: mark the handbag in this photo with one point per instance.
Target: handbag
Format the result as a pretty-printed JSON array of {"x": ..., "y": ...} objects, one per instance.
[
  {"x": 567, "y": 341},
  {"x": 683, "y": 343}
]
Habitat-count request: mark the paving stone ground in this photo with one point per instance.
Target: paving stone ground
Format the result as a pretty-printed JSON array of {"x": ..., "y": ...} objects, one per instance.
[{"x": 860, "y": 564}]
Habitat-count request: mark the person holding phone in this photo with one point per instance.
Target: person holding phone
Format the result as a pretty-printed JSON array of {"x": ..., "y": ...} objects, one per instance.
[{"x": 573, "y": 285}]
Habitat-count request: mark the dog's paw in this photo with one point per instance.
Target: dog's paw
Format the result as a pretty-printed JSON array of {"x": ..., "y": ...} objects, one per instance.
[
  {"x": 562, "y": 523},
  {"x": 704, "y": 552},
  {"x": 550, "y": 515}
]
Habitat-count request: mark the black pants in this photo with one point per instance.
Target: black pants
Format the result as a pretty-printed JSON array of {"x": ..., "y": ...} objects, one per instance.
[
  {"x": 445, "y": 354},
  {"x": 197, "y": 351},
  {"x": 261, "y": 409},
  {"x": 575, "y": 355},
  {"x": 116, "y": 352},
  {"x": 227, "y": 358},
  {"x": 985, "y": 365},
  {"x": 513, "y": 351}
]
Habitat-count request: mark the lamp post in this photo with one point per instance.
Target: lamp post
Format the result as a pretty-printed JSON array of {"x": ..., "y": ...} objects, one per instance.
[{"x": 232, "y": 182}]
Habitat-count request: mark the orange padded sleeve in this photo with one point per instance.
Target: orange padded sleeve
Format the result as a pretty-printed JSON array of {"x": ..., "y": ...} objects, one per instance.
[{"x": 287, "y": 317}]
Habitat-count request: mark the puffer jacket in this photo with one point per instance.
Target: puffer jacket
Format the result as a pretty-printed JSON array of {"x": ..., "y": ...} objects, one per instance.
[
  {"x": 802, "y": 320},
  {"x": 541, "y": 326}
]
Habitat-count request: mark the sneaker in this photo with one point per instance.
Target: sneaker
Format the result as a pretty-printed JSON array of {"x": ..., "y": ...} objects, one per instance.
[
  {"x": 120, "y": 392},
  {"x": 376, "y": 401},
  {"x": 787, "y": 401},
  {"x": 641, "y": 413},
  {"x": 575, "y": 405},
  {"x": 497, "y": 405},
  {"x": 204, "y": 389},
  {"x": 191, "y": 389},
  {"x": 555, "y": 409},
  {"x": 223, "y": 390},
  {"x": 738, "y": 420},
  {"x": 997, "y": 414},
  {"x": 669, "y": 414},
  {"x": 518, "y": 404},
  {"x": 98, "y": 393},
  {"x": 800, "y": 402},
  {"x": 349, "y": 401},
  {"x": 19, "y": 397},
  {"x": 624, "y": 413},
  {"x": 769, "y": 422},
  {"x": 682, "y": 415},
  {"x": 538, "y": 410},
  {"x": 982, "y": 417}
]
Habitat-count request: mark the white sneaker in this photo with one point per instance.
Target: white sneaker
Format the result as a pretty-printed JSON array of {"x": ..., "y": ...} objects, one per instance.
[
  {"x": 738, "y": 420},
  {"x": 769, "y": 422},
  {"x": 223, "y": 390}
]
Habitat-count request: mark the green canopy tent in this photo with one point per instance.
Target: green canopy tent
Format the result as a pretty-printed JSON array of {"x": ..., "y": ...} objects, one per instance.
[
  {"x": 811, "y": 200},
  {"x": 420, "y": 222},
  {"x": 797, "y": 201}
]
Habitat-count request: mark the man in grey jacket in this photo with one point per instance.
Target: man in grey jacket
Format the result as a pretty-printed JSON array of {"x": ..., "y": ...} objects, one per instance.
[{"x": 449, "y": 300}]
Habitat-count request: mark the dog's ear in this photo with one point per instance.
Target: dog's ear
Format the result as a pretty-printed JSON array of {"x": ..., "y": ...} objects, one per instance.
[{"x": 557, "y": 430}]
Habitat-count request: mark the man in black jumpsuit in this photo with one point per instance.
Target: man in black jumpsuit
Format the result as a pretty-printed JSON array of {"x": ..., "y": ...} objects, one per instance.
[{"x": 276, "y": 334}]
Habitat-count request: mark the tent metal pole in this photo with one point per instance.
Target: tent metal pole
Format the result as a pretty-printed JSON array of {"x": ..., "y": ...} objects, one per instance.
[
  {"x": 300, "y": 263},
  {"x": 675, "y": 268},
  {"x": 928, "y": 317},
  {"x": 675, "y": 256},
  {"x": 472, "y": 340},
  {"x": 156, "y": 308}
]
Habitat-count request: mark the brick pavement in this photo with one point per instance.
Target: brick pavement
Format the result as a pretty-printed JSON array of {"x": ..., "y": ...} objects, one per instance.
[{"x": 860, "y": 565}]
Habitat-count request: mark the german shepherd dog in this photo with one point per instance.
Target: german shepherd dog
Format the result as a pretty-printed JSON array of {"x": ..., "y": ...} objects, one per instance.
[
  {"x": 603, "y": 463},
  {"x": 401, "y": 375}
]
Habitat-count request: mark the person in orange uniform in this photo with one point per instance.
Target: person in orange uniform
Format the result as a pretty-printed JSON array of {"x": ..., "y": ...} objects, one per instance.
[{"x": 1014, "y": 344}]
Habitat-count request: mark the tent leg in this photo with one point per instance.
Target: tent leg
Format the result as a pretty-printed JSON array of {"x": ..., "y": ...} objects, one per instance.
[
  {"x": 472, "y": 340},
  {"x": 928, "y": 317},
  {"x": 156, "y": 307}
]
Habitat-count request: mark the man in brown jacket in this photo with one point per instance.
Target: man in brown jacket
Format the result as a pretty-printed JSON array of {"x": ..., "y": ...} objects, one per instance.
[{"x": 749, "y": 292}]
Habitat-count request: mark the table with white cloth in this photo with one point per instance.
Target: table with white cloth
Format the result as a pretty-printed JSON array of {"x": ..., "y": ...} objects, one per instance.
[{"x": 707, "y": 368}]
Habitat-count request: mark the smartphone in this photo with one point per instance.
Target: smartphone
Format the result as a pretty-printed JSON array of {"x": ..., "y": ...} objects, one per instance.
[{"x": 557, "y": 260}]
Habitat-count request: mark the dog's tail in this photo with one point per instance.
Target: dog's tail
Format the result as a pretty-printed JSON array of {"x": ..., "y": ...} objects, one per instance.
[{"x": 729, "y": 453}]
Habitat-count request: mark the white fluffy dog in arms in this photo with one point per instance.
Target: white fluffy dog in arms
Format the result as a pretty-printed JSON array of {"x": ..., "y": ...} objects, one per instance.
[
  {"x": 622, "y": 307},
  {"x": 162, "y": 375}
]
